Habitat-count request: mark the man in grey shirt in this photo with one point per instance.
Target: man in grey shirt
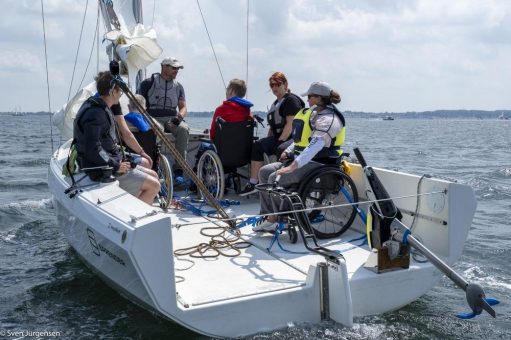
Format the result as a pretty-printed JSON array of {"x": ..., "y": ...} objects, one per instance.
[{"x": 165, "y": 98}]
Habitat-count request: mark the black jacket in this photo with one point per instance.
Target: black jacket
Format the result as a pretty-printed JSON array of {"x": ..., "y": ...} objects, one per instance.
[{"x": 96, "y": 138}]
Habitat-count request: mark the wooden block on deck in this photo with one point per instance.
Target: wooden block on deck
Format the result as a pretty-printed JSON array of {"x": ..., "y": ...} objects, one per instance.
[{"x": 380, "y": 262}]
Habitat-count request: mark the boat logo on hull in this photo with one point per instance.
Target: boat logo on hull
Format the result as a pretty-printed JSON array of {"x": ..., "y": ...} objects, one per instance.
[{"x": 98, "y": 248}]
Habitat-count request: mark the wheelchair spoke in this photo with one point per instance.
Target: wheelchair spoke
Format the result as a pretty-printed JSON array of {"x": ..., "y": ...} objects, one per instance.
[
  {"x": 166, "y": 183},
  {"x": 210, "y": 172},
  {"x": 322, "y": 191}
]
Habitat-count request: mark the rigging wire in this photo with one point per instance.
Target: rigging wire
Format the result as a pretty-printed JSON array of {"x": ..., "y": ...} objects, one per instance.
[
  {"x": 78, "y": 50},
  {"x": 97, "y": 41},
  {"x": 154, "y": 10},
  {"x": 91, "y": 51},
  {"x": 246, "y": 76},
  {"x": 47, "y": 77},
  {"x": 211, "y": 43}
]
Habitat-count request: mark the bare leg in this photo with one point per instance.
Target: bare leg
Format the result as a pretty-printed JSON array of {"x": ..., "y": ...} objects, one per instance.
[
  {"x": 148, "y": 170},
  {"x": 149, "y": 190},
  {"x": 144, "y": 163}
]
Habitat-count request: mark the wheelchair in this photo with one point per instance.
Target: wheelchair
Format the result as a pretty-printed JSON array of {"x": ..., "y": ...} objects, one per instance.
[
  {"x": 217, "y": 161},
  {"x": 161, "y": 165},
  {"x": 327, "y": 193},
  {"x": 330, "y": 193}
]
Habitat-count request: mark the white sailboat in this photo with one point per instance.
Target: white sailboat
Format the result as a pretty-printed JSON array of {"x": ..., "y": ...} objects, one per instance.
[{"x": 245, "y": 288}]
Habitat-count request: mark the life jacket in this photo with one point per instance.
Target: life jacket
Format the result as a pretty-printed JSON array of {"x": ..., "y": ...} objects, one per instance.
[
  {"x": 302, "y": 133},
  {"x": 275, "y": 119},
  {"x": 162, "y": 97}
]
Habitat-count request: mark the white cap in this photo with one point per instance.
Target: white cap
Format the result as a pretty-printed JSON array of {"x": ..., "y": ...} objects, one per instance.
[
  {"x": 172, "y": 62},
  {"x": 319, "y": 88}
]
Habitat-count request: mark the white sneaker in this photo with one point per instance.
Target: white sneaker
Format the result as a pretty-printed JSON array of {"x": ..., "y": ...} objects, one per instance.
[{"x": 265, "y": 226}]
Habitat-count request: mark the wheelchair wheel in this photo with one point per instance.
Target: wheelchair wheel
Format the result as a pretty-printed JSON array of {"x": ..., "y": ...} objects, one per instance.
[
  {"x": 166, "y": 182},
  {"x": 211, "y": 173},
  {"x": 324, "y": 188}
]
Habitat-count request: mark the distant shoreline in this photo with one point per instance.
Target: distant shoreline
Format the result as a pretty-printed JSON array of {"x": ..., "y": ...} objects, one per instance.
[{"x": 437, "y": 114}]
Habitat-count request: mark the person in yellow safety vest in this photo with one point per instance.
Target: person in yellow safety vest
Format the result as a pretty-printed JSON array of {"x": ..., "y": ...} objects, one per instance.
[{"x": 318, "y": 134}]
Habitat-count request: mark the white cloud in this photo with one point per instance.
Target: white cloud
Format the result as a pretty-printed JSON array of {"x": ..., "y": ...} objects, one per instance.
[{"x": 387, "y": 55}]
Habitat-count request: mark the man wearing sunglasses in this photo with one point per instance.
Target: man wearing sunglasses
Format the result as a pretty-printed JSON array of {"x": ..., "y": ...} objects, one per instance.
[{"x": 165, "y": 98}]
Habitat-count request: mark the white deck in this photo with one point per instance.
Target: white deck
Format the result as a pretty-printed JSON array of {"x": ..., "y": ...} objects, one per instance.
[{"x": 255, "y": 270}]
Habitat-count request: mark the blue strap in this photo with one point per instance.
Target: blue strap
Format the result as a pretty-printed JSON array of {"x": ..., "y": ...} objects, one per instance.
[
  {"x": 193, "y": 209},
  {"x": 253, "y": 221},
  {"x": 275, "y": 238},
  {"x": 199, "y": 211},
  {"x": 360, "y": 212},
  {"x": 318, "y": 219},
  {"x": 405, "y": 236},
  {"x": 227, "y": 203}
]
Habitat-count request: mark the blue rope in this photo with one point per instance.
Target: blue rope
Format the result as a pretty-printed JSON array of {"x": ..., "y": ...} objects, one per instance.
[
  {"x": 281, "y": 226},
  {"x": 253, "y": 221},
  {"x": 360, "y": 212},
  {"x": 199, "y": 211}
]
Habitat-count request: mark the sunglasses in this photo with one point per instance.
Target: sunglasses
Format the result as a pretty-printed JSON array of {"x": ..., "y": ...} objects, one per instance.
[
  {"x": 275, "y": 84},
  {"x": 312, "y": 96}
]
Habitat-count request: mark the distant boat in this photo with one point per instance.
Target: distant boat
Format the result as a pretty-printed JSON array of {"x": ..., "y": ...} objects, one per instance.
[
  {"x": 388, "y": 118},
  {"x": 502, "y": 116},
  {"x": 17, "y": 111}
]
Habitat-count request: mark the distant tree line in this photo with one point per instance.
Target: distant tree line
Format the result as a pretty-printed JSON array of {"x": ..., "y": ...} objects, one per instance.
[{"x": 467, "y": 114}]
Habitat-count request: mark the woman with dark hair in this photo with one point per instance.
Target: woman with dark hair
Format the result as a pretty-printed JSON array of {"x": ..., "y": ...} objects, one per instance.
[
  {"x": 318, "y": 134},
  {"x": 280, "y": 119}
]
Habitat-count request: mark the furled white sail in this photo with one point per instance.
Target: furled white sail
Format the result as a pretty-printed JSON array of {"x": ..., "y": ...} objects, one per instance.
[
  {"x": 137, "y": 49},
  {"x": 133, "y": 43}
]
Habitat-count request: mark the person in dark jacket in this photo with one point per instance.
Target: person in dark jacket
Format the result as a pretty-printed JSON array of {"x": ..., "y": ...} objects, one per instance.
[
  {"x": 280, "y": 120},
  {"x": 97, "y": 143},
  {"x": 235, "y": 108}
]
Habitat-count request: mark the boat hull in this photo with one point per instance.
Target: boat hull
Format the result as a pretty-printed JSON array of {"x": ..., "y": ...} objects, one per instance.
[{"x": 130, "y": 245}]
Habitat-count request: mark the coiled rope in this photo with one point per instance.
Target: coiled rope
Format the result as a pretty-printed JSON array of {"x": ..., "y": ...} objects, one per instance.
[{"x": 223, "y": 241}]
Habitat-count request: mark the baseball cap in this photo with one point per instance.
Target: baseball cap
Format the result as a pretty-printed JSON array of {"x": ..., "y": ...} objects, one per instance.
[
  {"x": 172, "y": 62},
  {"x": 319, "y": 88}
]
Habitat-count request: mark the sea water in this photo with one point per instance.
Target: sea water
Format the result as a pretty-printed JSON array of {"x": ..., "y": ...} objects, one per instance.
[{"x": 46, "y": 291}]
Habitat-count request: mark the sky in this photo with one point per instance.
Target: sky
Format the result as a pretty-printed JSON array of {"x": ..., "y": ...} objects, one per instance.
[{"x": 380, "y": 55}]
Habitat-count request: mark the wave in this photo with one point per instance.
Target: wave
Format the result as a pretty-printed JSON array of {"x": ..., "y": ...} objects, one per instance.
[
  {"x": 476, "y": 274},
  {"x": 24, "y": 185},
  {"x": 45, "y": 203},
  {"x": 488, "y": 188}
]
